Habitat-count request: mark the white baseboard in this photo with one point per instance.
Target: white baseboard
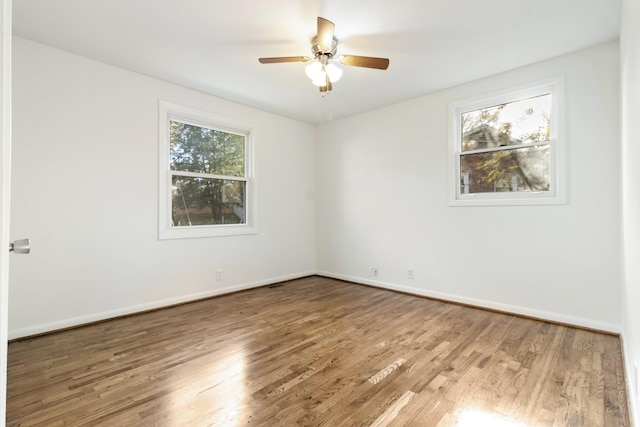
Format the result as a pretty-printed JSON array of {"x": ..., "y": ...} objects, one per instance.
[
  {"x": 480, "y": 303},
  {"x": 95, "y": 317},
  {"x": 519, "y": 310}
]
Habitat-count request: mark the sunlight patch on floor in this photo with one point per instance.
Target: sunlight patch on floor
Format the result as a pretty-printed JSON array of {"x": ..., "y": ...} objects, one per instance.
[{"x": 218, "y": 392}]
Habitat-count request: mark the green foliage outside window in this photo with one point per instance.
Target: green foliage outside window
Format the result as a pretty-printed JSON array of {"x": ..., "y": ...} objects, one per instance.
[
  {"x": 208, "y": 175},
  {"x": 505, "y": 147}
]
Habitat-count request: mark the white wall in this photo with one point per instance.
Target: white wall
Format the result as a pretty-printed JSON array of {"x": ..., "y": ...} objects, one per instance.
[
  {"x": 382, "y": 191},
  {"x": 85, "y": 190},
  {"x": 630, "y": 70}
]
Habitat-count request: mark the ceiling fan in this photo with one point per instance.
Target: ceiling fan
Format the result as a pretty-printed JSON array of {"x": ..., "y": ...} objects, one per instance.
[{"x": 322, "y": 70}]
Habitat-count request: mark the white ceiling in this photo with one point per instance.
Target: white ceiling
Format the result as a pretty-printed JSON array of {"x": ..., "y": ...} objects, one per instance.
[{"x": 213, "y": 45}]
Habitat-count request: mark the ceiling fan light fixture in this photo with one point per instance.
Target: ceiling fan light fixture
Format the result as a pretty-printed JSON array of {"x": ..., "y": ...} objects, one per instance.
[
  {"x": 318, "y": 73},
  {"x": 320, "y": 80},
  {"x": 322, "y": 68},
  {"x": 334, "y": 72},
  {"x": 313, "y": 70}
]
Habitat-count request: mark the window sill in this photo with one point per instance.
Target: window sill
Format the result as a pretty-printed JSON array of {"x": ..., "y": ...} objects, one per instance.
[
  {"x": 206, "y": 231},
  {"x": 508, "y": 199}
]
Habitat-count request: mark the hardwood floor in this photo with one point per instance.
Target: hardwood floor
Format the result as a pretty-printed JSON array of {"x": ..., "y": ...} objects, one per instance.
[{"x": 318, "y": 351}]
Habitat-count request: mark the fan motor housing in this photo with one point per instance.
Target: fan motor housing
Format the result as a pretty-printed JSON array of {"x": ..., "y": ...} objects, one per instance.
[{"x": 315, "y": 48}]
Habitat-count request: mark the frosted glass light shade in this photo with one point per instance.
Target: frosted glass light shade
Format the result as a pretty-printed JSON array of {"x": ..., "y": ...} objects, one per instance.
[
  {"x": 334, "y": 73},
  {"x": 321, "y": 80},
  {"x": 317, "y": 73},
  {"x": 313, "y": 70}
]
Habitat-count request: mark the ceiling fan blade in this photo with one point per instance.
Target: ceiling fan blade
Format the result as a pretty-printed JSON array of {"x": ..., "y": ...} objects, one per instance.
[
  {"x": 365, "y": 61},
  {"x": 279, "y": 59},
  {"x": 325, "y": 34}
]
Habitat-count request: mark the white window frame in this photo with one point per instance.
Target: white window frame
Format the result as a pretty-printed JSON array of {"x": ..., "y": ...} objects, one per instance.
[
  {"x": 169, "y": 111},
  {"x": 557, "y": 193}
]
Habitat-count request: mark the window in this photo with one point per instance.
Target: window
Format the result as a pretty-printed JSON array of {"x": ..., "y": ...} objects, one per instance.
[
  {"x": 506, "y": 149},
  {"x": 206, "y": 183}
]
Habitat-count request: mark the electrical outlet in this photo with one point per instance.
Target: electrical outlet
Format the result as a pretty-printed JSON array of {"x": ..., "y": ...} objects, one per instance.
[
  {"x": 410, "y": 273},
  {"x": 219, "y": 275},
  {"x": 375, "y": 272}
]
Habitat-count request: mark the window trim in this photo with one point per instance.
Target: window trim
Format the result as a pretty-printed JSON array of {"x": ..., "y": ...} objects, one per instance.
[
  {"x": 557, "y": 193},
  {"x": 168, "y": 111}
]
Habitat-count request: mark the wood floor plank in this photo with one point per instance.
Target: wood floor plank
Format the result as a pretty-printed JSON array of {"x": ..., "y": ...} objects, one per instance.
[{"x": 317, "y": 352}]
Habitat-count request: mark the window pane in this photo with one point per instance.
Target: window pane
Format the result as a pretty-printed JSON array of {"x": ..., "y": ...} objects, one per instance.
[
  {"x": 521, "y": 169},
  {"x": 206, "y": 201},
  {"x": 204, "y": 150},
  {"x": 513, "y": 123}
]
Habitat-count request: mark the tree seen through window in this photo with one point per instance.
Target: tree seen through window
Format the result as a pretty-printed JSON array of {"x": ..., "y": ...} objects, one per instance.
[
  {"x": 208, "y": 175},
  {"x": 506, "y": 147}
]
